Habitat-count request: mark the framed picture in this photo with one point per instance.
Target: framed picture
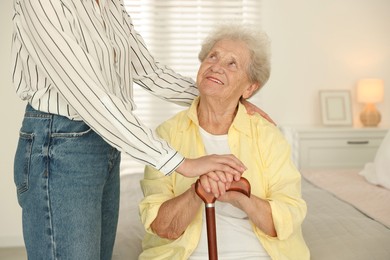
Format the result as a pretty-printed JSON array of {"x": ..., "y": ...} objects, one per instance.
[{"x": 336, "y": 107}]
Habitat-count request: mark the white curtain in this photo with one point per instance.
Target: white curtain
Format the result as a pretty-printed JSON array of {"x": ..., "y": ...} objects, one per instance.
[{"x": 173, "y": 31}]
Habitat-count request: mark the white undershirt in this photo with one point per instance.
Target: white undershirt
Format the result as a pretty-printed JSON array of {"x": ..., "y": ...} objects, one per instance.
[{"x": 235, "y": 236}]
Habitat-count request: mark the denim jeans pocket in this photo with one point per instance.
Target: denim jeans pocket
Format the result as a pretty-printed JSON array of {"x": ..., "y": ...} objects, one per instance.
[
  {"x": 22, "y": 162},
  {"x": 65, "y": 128}
]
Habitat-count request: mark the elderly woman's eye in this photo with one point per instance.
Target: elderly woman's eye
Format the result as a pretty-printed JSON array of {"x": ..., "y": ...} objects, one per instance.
[{"x": 212, "y": 56}]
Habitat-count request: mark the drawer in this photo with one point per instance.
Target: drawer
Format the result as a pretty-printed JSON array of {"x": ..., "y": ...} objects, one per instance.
[{"x": 348, "y": 153}]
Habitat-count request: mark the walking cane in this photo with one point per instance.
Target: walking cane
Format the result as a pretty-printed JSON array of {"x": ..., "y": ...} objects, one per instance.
[{"x": 242, "y": 186}]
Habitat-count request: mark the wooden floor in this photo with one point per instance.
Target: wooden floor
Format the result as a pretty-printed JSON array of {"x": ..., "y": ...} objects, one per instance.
[{"x": 13, "y": 253}]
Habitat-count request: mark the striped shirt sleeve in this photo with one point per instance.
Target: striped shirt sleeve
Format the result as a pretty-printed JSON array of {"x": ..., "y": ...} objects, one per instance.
[{"x": 50, "y": 62}]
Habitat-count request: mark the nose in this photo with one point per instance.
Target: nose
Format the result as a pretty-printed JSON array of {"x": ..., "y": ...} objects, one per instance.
[{"x": 217, "y": 68}]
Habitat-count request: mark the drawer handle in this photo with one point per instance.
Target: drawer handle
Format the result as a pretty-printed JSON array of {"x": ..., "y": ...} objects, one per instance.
[{"x": 358, "y": 142}]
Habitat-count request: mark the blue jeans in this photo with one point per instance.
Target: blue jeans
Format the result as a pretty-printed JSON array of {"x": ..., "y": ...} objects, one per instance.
[{"x": 67, "y": 180}]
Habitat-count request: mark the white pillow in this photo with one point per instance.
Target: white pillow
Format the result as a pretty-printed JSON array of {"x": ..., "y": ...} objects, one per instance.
[
  {"x": 378, "y": 172},
  {"x": 382, "y": 162},
  {"x": 369, "y": 173}
]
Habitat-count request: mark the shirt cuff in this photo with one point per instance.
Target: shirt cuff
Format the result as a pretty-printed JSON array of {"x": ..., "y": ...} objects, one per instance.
[{"x": 170, "y": 163}]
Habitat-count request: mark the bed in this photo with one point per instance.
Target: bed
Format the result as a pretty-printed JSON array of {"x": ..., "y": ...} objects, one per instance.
[
  {"x": 343, "y": 222},
  {"x": 339, "y": 224},
  {"x": 348, "y": 214}
]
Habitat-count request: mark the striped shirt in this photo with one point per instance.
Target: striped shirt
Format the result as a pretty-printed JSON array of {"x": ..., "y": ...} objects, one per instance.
[{"x": 78, "y": 59}]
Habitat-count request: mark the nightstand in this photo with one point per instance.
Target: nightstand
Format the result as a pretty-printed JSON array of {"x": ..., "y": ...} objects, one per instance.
[{"x": 333, "y": 147}]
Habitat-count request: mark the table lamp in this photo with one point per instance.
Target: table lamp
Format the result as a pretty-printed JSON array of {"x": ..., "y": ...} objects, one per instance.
[{"x": 370, "y": 92}]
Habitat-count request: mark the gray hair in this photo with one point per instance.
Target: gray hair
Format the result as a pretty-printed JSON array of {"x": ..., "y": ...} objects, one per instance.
[{"x": 258, "y": 43}]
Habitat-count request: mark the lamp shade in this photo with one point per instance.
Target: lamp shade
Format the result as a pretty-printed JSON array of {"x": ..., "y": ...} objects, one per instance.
[{"x": 370, "y": 91}]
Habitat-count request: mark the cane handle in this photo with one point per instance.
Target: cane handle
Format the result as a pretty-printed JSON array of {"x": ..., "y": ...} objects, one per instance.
[{"x": 242, "y": 186}]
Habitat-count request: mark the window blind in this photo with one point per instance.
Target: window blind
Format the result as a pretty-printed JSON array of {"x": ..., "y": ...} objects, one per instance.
[{"x": 173, "y": 30}]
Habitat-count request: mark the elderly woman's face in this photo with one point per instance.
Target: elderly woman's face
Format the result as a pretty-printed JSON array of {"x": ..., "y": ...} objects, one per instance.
[{"x": 223, "y": 73}]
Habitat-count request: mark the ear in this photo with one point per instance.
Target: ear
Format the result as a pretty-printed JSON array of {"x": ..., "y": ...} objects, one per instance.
[{"x": 250, "y": 90}]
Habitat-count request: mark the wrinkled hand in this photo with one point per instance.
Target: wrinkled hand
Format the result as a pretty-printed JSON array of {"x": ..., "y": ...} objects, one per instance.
[
  {"x": 231, "y": 197},
  {"x": 222, "y": 168},
  {"x": 217, "y": 188},
  {"x": 251, "y": 109}
]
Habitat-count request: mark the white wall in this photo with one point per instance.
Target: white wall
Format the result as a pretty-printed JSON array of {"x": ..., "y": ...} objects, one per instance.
[
  {"x": 324, "y": 45},
  {"x": 316, "y": 45},
  {"x": 11, "y": 112}
]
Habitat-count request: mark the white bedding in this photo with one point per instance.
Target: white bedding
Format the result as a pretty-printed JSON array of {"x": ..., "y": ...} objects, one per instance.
[
  {"x": 333, "y": 229},
  {"x": 336, "y": 230},
  {"x": 349, "y": 186},
  {"x": 130, "y": 229}
]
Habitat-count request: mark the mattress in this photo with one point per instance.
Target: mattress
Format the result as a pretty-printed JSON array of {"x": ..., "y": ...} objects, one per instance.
[
  {"x": 333, "y": 228},
  {"x": 349, "y": 186},
  {"x": 337, "y": 229}
]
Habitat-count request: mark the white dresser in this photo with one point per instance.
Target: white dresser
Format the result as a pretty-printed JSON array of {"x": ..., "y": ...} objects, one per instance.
[{"x": 334, "y": 147}]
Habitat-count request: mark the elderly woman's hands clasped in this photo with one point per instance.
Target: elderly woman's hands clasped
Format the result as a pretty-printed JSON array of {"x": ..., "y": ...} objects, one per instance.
[{"x": 220, "y": 171}]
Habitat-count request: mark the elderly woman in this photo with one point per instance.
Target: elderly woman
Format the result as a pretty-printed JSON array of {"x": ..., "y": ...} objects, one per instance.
[{"x": 267, "y": 225}]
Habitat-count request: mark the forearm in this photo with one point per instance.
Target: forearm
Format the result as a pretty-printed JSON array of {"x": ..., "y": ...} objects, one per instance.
[
  {"x": 175, "y": 215},
  {"x": 168, "y": 85},
  {"x": 261, "y": 215},
  {"x": 259, "y": 212}
]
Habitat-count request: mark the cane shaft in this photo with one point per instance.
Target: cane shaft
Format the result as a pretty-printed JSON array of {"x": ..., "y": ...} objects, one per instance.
[
  {"x": 211, "y": 233},
  {"x": 242, "y": 186}
]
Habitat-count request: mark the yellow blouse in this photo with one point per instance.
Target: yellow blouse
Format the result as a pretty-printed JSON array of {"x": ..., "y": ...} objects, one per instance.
[{"x": 266, "y": 154}]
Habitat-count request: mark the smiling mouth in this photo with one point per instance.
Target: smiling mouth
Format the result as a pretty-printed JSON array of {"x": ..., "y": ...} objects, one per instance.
[{"x": 215, "y": 80}]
